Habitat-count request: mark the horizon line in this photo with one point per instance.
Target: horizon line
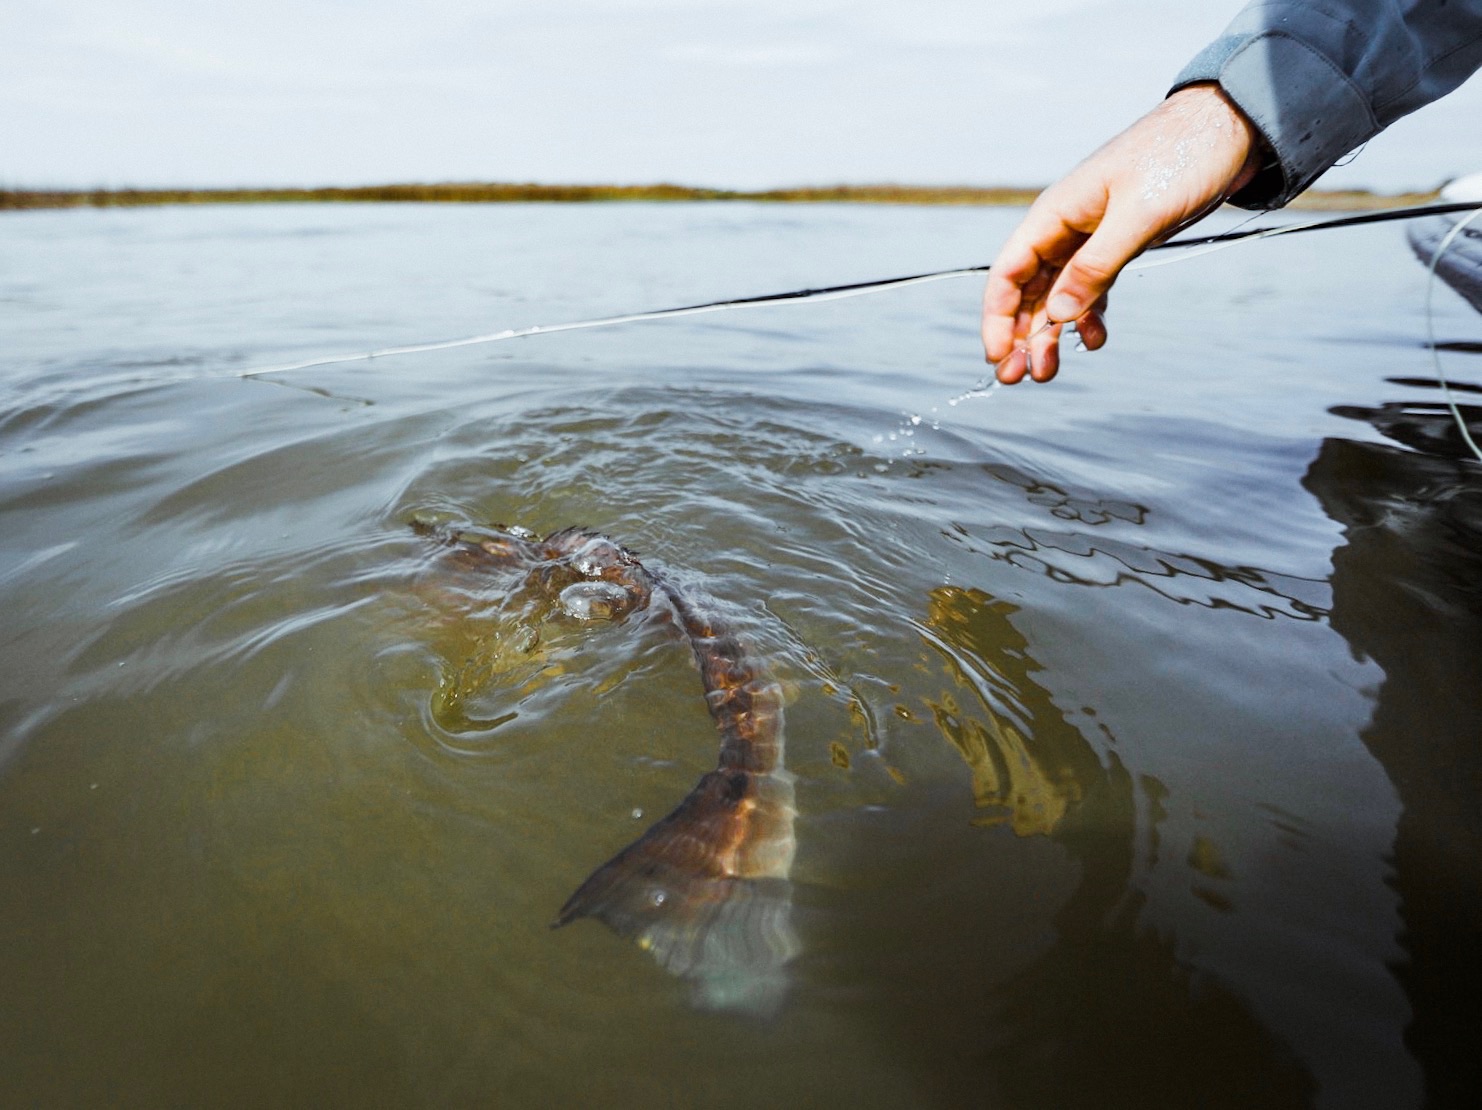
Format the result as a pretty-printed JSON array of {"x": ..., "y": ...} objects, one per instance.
[{"x": 531, "y": 192}]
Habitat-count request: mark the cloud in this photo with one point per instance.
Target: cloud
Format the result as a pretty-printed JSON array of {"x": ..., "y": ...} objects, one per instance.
[
  {"x": 763, "y": 56},
  {"x": 723, "y": 92}
]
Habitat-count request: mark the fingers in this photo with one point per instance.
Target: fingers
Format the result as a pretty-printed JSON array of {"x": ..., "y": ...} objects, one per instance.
[
  {"x": 1002, "y": 294},
  {"x": 1044, "y": 353},
  {"x": 1036, "y": 351},
  {"x": 1084, "y": 281},
  {"x": 1092, "y": 327},
  {"x": 1016, "y": 282},
  {"x": 1014, "y": 325},
  {"x": 1013, "y": 367},
  {"x": 1027, "y": 343},
  {"x": 1024, "y": 271}
]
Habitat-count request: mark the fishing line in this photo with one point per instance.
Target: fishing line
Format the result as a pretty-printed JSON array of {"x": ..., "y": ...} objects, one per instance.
[
  {"x": 855, "y": 289},
  {"x": 1430, "y": 329},
  {"x": 1194, "y": 250},
  {"x": 829, "y": 293}
]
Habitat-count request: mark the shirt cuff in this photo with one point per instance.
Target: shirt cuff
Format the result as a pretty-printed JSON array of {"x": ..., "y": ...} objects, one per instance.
[{"x": 1307, "y": 110}]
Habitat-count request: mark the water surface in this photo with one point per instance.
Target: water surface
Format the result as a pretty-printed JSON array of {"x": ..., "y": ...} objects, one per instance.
[{"x": 1133, "y": 718}]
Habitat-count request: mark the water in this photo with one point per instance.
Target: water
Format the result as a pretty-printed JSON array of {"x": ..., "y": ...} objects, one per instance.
[{"x": 1133, "y": 719}]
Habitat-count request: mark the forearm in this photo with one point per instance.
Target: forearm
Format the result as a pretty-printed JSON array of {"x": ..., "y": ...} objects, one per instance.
[{"x": 1319, "y": 77}]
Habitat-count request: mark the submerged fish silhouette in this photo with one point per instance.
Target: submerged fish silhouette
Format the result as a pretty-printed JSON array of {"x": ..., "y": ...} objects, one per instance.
[{"x": 705, "y": 890}]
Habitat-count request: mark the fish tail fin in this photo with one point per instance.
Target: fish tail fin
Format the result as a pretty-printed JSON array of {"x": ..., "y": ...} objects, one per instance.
[{"x": 705, "y": 891}]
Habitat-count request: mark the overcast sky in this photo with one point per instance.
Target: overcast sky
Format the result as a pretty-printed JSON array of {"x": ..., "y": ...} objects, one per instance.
[{"x": 733, "y": 93}]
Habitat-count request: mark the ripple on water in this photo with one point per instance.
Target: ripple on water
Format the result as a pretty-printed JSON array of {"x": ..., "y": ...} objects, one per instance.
[{"x": 1075, "y": 721}]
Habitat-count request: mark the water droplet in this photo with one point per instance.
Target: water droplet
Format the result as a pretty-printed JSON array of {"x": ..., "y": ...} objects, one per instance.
[
  {"x": 637, "y": 814},
  {"x": 658, "y": 897},
  {"x": 915, "y": 419}
]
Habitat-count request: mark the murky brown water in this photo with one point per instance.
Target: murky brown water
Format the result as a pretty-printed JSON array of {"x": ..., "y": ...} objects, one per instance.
[{"x": 1134, "y": 720}]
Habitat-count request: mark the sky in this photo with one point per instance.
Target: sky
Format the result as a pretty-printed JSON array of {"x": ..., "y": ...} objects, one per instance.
[{"x": 724, "y": 93}]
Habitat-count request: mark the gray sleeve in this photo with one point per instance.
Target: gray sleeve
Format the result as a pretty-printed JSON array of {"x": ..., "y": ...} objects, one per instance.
[{"x": 1319, "y": 77}]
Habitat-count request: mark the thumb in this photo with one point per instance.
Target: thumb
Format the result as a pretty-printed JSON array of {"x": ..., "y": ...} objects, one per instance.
[{"x": 1090, "y": 272}]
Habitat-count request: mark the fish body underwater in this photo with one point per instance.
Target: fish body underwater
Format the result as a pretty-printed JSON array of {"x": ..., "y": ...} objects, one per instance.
[{"x": 706, "y": 889}]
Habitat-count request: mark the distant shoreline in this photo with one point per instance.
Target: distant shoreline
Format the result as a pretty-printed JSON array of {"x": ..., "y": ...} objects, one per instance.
[{"x": 483, "y": 193}]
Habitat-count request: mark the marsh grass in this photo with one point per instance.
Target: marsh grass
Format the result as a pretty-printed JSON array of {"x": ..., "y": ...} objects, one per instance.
[{"x": 476, "y": 192}]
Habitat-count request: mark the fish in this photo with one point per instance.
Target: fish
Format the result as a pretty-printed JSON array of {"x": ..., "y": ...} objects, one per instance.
[{"x": 706, "y": 890}]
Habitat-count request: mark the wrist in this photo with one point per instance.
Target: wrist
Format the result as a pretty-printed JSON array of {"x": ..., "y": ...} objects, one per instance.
[
  {"x": 1222, "y": 114},
  {"x": 1246, "y": 145}
]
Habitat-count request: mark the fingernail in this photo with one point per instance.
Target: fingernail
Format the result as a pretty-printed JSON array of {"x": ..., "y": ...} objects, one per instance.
[
  {"x": 1062, "y": 307},
  {"x": 1028, "y": 363}
]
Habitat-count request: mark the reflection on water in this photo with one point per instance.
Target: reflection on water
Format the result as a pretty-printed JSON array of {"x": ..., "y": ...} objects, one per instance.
[
  {"x": 1064, "y": 1033},
  {"x": 1407, "y": 592},
  {"x": 1083, "y": 558},
  {"x": 1027, "y": 767},
  {"x": 1132, "y": 720}
]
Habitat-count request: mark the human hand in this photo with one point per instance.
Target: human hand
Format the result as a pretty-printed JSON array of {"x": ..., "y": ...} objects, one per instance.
[{"x": 1167, "y": 170}]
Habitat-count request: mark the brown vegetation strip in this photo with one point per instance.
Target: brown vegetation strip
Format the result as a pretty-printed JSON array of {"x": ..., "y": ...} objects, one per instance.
[{"x": 514, "y": 193}]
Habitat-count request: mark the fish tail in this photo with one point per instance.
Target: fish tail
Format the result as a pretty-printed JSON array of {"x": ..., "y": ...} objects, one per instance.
[{"x": 705, "y": 890}]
